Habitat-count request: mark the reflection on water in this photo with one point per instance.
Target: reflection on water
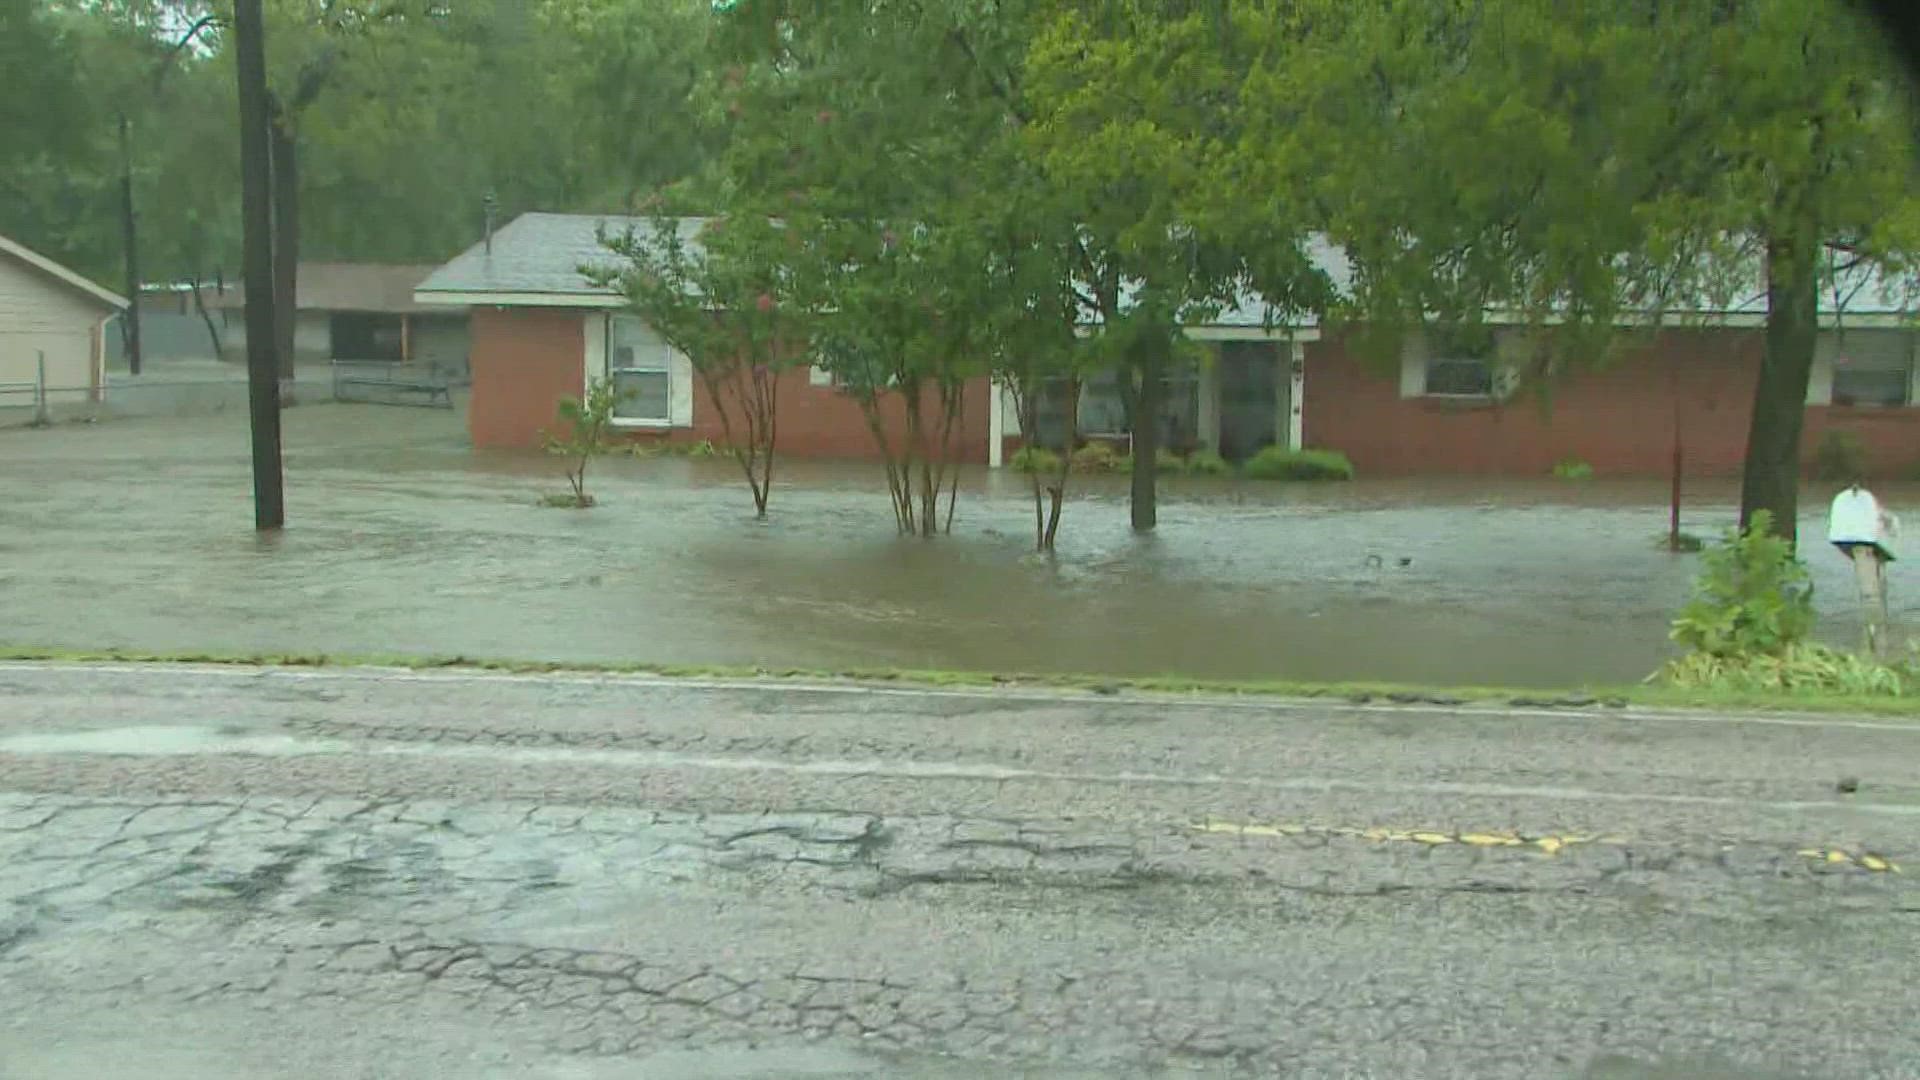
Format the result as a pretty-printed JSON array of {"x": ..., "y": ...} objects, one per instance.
[{"x": 137, "y": 534}]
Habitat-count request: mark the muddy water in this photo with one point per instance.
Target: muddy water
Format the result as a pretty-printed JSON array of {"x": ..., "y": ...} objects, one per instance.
[{"x": 137, "y": 533}]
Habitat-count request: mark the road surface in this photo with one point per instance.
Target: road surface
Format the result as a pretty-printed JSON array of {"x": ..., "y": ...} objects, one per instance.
[{"x": 243, "y": 873}]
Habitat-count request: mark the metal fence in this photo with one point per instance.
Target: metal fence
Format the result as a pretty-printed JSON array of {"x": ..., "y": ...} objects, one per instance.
[
  {"x": 389, "y": 382},
  {"x": 34, "y": 395},
  {"x": 164, "y": 389}
]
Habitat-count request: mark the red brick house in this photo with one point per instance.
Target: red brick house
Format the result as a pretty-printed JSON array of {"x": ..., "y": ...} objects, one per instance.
[{"x": 540, "y": 330}]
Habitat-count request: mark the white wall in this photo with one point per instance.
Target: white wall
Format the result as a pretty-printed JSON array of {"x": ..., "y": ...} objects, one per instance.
[{"x": 39, "y": 315}]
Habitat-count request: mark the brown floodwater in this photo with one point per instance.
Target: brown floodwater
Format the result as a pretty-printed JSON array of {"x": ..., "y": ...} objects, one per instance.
[{"x": 137, "y": 533}]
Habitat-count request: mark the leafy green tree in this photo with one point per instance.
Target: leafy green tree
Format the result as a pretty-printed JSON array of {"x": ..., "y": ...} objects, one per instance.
[
  {"x": 721, "y": 293},
  {"x": 875, "y": 132},
  {"x": 46, "y": 116},
  {"x": 632, "y": 86},
  {"x": 1591, "y": 162},
  {"x": 1132, "y": 113}
]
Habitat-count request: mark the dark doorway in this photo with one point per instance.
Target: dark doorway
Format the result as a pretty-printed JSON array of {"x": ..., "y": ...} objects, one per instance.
[
  {"x": 1250, "y": 394},
  {"x": 367, "y": 336}
]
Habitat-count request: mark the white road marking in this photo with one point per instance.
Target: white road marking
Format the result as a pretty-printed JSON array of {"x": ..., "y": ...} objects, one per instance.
[{"x": 186, "y": 740}]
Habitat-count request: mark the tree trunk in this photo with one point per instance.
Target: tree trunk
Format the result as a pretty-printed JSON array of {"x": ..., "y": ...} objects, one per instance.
[
  {"x": 286, "y": 246},
  {"x": 1771, "y": 476},
  {"x": 1150, "y": 365},
  {"x": 1673, "y": 504},
  {"x": 213, "y": 332},
  {"x": 130, "y": 241}
]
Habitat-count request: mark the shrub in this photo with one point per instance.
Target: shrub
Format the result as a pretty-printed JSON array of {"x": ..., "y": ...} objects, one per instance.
[
  {"x": 589, "y": 426},
  {"x": 1573, "y": 469},
  {"x": 1098, "y": 457},
  {"x": 1752, "y": 598},
  {"x": 1167, "y": 461},
  {"x": 1685, "y": 543},
  {"x": 1840, "y": 456},
  {"x": 1207, "y": 463},
  {"x": 1798, "y": 669},
  {"x": 1032, "y": 459},
  {"x": 702, "y": 449},
  {"x": 1280, "y": 463}
]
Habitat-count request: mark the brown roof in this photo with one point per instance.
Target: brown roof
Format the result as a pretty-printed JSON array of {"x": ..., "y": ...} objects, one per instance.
[{"x": 332, "y": 286}]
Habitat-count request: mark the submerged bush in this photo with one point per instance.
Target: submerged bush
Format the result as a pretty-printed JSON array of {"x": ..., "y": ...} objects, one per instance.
[
  {"x": 1207, "y": 463},
  {"x": 1752, "y": 598},
  {"x": 1573, "y": 469},
  {"x": 1031, "y": 459},
  {"x": 1839, "y": 456},
  {"x": 1280, "y": 463},
  {"x": 1099, "y": 457}
]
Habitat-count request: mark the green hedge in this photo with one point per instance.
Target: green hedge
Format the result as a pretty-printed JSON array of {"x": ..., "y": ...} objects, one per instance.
[
  {"x": 1207, "y": 463},
  {"x": 1279, "y": 463},
  {"x": 1038, "y": 459}
]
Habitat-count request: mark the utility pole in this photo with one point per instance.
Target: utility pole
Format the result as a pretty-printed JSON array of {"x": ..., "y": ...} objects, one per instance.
[
  {"x": 130, "y": 243},
  {"x": 256, "y": 215}
]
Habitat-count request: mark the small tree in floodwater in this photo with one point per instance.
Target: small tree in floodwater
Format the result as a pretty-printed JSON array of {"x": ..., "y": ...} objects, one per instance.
[
  {"x": 1027, "y": 386},
  {"x": 901, "y": 340},
  {"x": 722, "y": 297},
  {"x": 589, "y": 422}
]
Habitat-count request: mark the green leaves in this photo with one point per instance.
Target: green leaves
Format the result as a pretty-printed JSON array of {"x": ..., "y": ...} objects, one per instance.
[
  {"x": 588, "y": 429},
  {"x": 1753, "y": 597}
]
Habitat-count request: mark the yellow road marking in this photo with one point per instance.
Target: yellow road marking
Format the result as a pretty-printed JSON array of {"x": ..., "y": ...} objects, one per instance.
[
  {"x": 1878, "y": 864},
  {"x": 1547, "y": 845},
  {"x": 1490, "y": 840},
  {"x": 1380, "y": 834}
]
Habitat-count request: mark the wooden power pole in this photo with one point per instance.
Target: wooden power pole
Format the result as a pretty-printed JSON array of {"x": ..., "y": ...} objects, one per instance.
[{"x": 256, "y": 214}]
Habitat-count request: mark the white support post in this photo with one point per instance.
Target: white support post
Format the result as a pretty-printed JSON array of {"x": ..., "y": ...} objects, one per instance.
[
  {"x": 41, "y": 418},
  {"x": 996, "y": 423},
  {"x": 1296, "y": 392}
]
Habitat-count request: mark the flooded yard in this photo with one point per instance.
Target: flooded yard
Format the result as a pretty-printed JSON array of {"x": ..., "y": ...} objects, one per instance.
[{"x": 137, "y": 533}]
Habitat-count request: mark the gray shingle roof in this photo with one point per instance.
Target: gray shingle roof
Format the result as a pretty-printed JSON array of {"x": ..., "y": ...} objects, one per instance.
[{"x": 538, "y": 254}]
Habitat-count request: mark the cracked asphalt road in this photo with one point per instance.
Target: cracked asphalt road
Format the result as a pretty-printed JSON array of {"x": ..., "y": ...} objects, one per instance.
[{"x": 228, "y": 873}]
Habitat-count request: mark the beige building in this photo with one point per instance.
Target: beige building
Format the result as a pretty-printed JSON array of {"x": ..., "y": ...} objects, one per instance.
[{"x": 50, "y": 314}]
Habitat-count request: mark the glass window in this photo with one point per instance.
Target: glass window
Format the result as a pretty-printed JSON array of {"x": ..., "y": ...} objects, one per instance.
[
  {"x": 1103, "y": 412},
  {"x": 1459, "y": 361},
  {"x": 643, "y": 395},
  {"x": 639, "y": 364},
  {"x": 1469, "y": 376},
  {"x": 1872, "y": 367}
]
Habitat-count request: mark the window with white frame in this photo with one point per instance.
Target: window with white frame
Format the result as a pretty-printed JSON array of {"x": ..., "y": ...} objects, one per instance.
[
  {"x": 640, "y": 367},
  {"x": 1458, "y": 364},
  {"x": 1872, "y": 367},
  {"x": 1102, "y": 411}
]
